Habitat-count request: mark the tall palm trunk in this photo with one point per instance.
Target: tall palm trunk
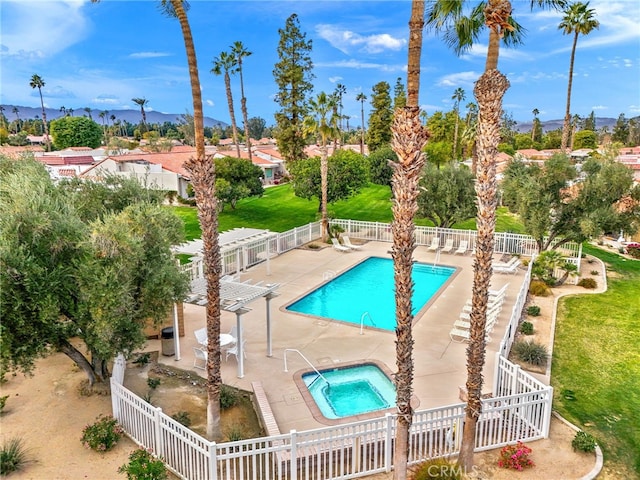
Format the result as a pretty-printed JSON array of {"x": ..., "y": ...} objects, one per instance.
[
  {"x": 409, "y": 137},
  {"x": 324, "y": 188},
  {"x": 245, "y": 116},
  {"x": 567, "y": 113},
  {"x": 489, "y": 92},
  {"x": 232, "y": 115},
  {"x": 47, "y": 140},
  {"x": 203, "y": 181}
]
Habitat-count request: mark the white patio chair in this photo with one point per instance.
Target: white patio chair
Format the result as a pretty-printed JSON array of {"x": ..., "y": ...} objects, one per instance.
[
  {"x": 435, "y": 243},
  {"x": 201, "y": 336},
  {"x": 234, "y": 351},
  {"x": 199, "y": 356}
]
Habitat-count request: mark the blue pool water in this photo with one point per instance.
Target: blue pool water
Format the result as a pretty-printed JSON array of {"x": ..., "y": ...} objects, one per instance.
[
  {"x": 369, "y": 287},
  {"x": 351, "y": 390}
]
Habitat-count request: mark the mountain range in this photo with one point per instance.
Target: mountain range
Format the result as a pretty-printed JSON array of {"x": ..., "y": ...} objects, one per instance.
[
  {"x": 134, "y": 117},
  {"x": 131, "y": 116}
]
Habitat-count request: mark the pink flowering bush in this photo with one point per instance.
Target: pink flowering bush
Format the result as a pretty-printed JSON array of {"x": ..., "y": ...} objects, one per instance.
[
  {"x": 633, "y": 249},
  {"x": 515, "y": 457},
  {"x": 102, "y": 435}
]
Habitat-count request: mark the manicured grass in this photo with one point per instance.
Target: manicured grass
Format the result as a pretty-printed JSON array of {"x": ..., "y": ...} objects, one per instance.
[
  {"x": 596, "y": 364},
  {"x": 280, "y": 210}
]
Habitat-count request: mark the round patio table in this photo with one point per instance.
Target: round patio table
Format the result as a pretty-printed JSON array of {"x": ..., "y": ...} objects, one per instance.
[{"x": 226, "y": 339}]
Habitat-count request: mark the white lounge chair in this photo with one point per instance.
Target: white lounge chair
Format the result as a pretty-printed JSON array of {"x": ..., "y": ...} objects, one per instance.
[
  {"x": 511, "y": 268},
  {"x": 347, "y": 243},
  {"x": 460, "y": 335},
  {"x": 448, "y": 245},
  {"x": 506, "y": 264},
  {"x": 337, "y": 246},
  {"x": 199, "y": 356},
  {"x": 462, "y": 248},
  {"x": 435, "y": 243},
  {"x": 491, "y": 303}
]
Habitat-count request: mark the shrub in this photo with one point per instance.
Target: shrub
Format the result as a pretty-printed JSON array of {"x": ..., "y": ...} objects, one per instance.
[
  {"x": 153, "y": 383},
  {"x": 526, "y": 328},
  {"x": 235, "y": 433},
  {"x": 102, "y": 435},
  {"x": 584, "y": 442},
  {"x": 228, "y": 397},
  {"x": 142, "y": 359},
  {"x": 533, "y": 310},
  {"x": 531, "y": 352},
  {"x": 594, "y": 272},
  {"x": 587, "y": 283},
  {"x": 13, "y": 456},
  {"x": 436, "y": 468},
  {"x": 3, "y": 402},
  {"x": 182, "y": 417},
  {"x": 633, "y": 249},
  {"x": 515, "y": 457},
  {"x": 144, "y": 466},
  {"x": 539, "y": 289}
]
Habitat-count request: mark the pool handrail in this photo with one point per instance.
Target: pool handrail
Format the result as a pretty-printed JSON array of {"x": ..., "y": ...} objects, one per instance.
[
  {"x": 306, "y": 360},
  {"x": 365, "y": 314}
]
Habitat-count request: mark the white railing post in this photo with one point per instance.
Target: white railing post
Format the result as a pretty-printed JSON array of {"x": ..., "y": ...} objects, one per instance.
[
  {"x": 388, "y": 441},
  {"x": 546, "y": 422},
  {"x": 497, "y": 374},
  {"x": 293, "y": 465},
  {"x": 159, "y": 446},
  {"x": 213, "y": 461}
]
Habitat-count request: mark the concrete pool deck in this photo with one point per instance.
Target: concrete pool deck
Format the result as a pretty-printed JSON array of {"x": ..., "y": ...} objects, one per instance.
[{"x": 439, "y": 363}]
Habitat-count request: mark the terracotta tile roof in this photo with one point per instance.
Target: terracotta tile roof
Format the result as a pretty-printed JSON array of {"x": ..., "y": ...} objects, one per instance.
[
  {"x": 172, "y": 161},
  {"x": 66, "y": 172}
]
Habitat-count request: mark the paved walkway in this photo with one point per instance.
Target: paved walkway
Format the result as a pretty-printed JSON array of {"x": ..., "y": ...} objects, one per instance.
[{"x": 440, "y": 364}]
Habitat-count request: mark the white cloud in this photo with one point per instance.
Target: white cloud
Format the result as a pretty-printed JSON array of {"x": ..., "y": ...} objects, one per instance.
[
  {"x": 335, "y": 79},
  {"x": 599, "y": 107},
  {"x": 210, "y": 103},
  {"x": 460, "y": 79},
  {"x": 355, "y": 64},
  {"x": 149, "y": 54},
  {"x": 347, "y": 41},
  {"x": 43, "y": 29}
]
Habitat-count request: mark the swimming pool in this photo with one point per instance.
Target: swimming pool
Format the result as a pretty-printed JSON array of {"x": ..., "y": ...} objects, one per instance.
[
  {"x": 350, "y": 390},
  {"x": 365, "y": 293}
]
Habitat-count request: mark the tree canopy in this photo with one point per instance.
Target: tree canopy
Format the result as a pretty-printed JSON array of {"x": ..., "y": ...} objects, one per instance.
[
  {"x": 75, "y": 132},
  {"x": 556, "y": 205},
  {"x": 379, "y": 132},
  {"x": 347, "y": 174},
  {"x": 447, "y": 195},
  {"x": 237, "y": 178},
  {"x": 71, "y": 270}
]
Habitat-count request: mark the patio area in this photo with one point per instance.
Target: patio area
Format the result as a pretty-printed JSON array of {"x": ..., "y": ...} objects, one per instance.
[{"x": 439, "y": 363}]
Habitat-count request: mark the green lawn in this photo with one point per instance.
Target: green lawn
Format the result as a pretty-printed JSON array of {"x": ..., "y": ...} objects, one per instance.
[
  {"x": 280, "y": 210},
  {"x": 596, "y": 364}
]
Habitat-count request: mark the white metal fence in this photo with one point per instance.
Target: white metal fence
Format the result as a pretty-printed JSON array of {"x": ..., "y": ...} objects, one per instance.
[
  {"x": 237, "y": 258},
  {"x": 520, "y": 409}
]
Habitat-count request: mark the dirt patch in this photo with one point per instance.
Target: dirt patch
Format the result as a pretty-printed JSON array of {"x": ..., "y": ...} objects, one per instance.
[{"x": 183, "y": 395}]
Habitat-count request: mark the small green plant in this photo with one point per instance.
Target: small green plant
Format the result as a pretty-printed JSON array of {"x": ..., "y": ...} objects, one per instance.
[
  {"x": 3, "y": 402},
  {"x": 13, "y": 456},
  {"x": 144, "y": 466},
  {"x": 182, "y": 417},
  {"x": 526, "y": 328},
  {"x": 594, "y": 272},
  {"x": 587, "y": 283},
  {"x": 102, "y": 435},
  {"x": 539, "y": 289},
  {"x": 228, "y": 397},
  {"x": 153, "y": 383},
  {"x": 531, "y": 352},
  {"x": 437, "y": 468},
  {"x": 533, "y": 310},
  {"x": 584, "y": 442},
  {"x": 235, "y": 433},
  {"x": 313, "y": 246},
  {"x": 515, "y": 457},
  {"x": 143, "y": 359}
]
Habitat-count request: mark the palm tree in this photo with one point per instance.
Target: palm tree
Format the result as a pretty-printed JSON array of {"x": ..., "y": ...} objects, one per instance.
[
  {"x": 70, "y": 112},
  {"x": 322, "y": 122},
  {"x": 37, "y": 82},
  {"x": 88, "y": 110},
  {"x": 238, "y": 50},
  {"x": 63, "y": 110},
  {"x": 361, "y": 97},
  {"x": 142, "y": 102},
  {"x": 409, "y": 138},
  {"x": 460, "y": 32},
  {"x": 2, "y": 116},
  {"x": 228, "y": 63},
  {"x": 203, "y": 179},
  {"x": 534, "y": 124},
  {"x": 575, "y": 121},
  {"x": 103, "y": 115},
  {"x": 16, "y": 111},
  {"x": 458, "y": 96},
  {"x": 339, "y": 93},
  {"x": 578, "y": 19}
]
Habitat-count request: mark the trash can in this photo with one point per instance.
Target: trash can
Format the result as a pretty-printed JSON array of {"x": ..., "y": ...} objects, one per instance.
[{"x": 168, "y": 347}]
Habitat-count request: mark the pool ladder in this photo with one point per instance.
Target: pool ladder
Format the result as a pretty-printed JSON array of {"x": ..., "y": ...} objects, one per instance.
[
  {"x": 365, "y": 314},
  {"x": 308, "y": 362}
]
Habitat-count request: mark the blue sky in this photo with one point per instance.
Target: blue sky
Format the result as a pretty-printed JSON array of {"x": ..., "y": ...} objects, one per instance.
[{"x": 103, "y": 55}]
